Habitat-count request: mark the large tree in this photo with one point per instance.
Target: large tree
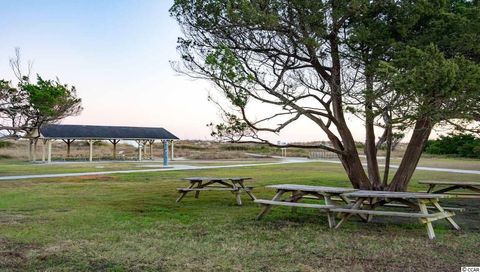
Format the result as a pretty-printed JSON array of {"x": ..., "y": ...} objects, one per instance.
[{"x": 397, "y": 65}]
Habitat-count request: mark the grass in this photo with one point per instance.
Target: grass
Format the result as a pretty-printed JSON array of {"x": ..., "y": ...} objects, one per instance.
[
  {"x": 16, "y": 167},
  {"x": 130, "y": 222}
]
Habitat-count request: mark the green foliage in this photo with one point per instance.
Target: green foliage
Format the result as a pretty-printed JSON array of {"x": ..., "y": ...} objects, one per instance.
[
  {"x": 4, "y": 144},
  {"x": 50, "y": 100},
  {"x": 28, "y": 105},
  {"x": 462, "y": 145}
]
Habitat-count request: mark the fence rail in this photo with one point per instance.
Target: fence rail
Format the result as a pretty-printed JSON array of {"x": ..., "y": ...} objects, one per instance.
[{"x": 323, "y": 155}]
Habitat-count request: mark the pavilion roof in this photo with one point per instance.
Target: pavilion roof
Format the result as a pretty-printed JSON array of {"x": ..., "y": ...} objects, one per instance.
[{"x": 105, "y": 132}]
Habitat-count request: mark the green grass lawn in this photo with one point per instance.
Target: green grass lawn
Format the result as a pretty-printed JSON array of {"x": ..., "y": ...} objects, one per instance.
[
  {"x": 15, "y": 167},
  {"x": 130, "y": 222}
]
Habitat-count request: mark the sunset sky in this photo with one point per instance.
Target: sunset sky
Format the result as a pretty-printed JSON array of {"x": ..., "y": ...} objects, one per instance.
[{"x": 117, "y": 54}]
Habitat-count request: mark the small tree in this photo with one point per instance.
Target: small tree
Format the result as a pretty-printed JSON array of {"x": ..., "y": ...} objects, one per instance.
[
  {"x": 393, "y": 64},
  {"x": 28, "y": 106}
]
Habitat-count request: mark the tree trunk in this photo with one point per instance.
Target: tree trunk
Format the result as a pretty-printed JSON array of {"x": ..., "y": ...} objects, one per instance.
[
  {"x": 420, "y": 135},
  {"x": 387, "y": 156},
  {"x": 370, "y": 147},
  {"x": 355, "y": 172},
  {"x": 351, "y": 160}
]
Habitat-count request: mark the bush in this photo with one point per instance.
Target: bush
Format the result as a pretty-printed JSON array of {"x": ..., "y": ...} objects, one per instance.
[
  {"x": 4, "y": 144},
  {"x": 462, "y": 145}
]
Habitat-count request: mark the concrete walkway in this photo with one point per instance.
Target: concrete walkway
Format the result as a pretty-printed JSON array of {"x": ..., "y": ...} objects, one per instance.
[
  {"x": 171, "y": 168},
  {"x": 190, "y": 167}
]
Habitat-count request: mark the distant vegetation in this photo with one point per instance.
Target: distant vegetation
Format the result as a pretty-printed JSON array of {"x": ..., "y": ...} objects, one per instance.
[
  {"x": 461, "y": 145},
  {"x": 4, "y": 144}
]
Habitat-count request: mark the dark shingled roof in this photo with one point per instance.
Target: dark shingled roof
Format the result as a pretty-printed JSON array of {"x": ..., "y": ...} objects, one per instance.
[{"x": 105, "y": 132}]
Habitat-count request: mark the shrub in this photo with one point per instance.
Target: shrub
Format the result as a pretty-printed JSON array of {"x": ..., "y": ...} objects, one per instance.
[
  {"x": 462, "y": 145},
  {"x": 4, "y": 144}
]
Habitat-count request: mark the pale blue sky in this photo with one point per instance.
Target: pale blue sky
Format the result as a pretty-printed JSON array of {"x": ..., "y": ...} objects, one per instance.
[{"x": 117, "y": 54}]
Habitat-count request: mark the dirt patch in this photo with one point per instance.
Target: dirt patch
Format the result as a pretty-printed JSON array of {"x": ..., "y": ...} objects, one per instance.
[
  {"x": 13, "y": 255},
  {"x": 12, "y": 218},
  {"x": 79, "y": 179},
  {"x": 97, "y": 178}
]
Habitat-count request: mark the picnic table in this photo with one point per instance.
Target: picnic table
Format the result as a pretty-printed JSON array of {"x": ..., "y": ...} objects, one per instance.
[
  {"x": 367, "y": 201},
  {"x": 298, "y": 192},
  {"x": 361, "y": 203},
  {"x": 231, "y": 184},
  {"x": 450, "y": 186}
]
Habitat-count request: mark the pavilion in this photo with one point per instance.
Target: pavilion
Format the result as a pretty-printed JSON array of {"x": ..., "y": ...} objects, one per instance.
[{"x": 141, "y": 135}]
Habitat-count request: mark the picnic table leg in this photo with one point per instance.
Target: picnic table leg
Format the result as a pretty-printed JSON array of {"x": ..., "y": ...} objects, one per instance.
[
  {"x": 424, "y": 210},
  {"x": 197, "y": 193},
  {"x": 182, "y": 194},
  {"x": 346, "y": 200},
  {"x": 449, "y": 219},
  {"x": 330, "y": 215},
  {"x": 355, "y": 206},
  {"x": 237, "y": 197},
  {"x": 240, "y": 182},
  {"x": 293, "y": 198},
  {"x": 236, "y": 191},
  {"x": 266, "y": 208},
  {"x": 372, "y": 203},
  {"x": 430, "y": 188}
]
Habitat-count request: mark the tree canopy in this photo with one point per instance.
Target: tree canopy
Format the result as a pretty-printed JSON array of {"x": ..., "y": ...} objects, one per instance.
[
  {"x": 29, "y": 105},
  {"x": 396, "y": 65}
]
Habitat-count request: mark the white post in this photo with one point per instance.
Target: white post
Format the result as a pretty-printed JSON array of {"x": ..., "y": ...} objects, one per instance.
[
  {"x": 90, "y": 158},
  {"x": 172, "y": 152},
  {"x": 145, "y": 153},
  {"x": 49, "y": 155},
  {"x": 139, "y": 151},
  {"x": 44, "y": 147},
  {"x": 150, "y": 146},
  {"x": 34, "y": 150}
]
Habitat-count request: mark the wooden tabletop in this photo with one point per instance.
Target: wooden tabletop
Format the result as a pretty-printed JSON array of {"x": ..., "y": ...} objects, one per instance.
[
  {"x": 310, "y": 188},
  {"x": 217, "y": 178},
  {"x": 438, "y": 182},
  {"x": 401, "y": 195}
]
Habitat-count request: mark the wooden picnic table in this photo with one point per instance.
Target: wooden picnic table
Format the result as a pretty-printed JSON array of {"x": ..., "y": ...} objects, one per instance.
[
  {"x": 232, "y": 184},
  {"x": 450, "y": 186},
  {"x": 298, "y": 192},
  {"x": 367, "y": 201}
]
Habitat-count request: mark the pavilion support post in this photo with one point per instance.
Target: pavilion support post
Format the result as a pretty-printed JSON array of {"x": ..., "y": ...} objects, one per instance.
[
  {"x": 49, "y": 154},
  {"x": 30, "y": 149},
  {"x": 139, "y": 150},
  {"x": 114, "y": 143},
  {"x": 90, "y": 157},
  {"x": 144, "y": 144},
  {"x": 150, "y": 143},
  {"x": 165, "y": 153},
  {"x": 44, "y": 147},
  {"x": 172, "y": 156},
  {"x": 33, "y": 150}
]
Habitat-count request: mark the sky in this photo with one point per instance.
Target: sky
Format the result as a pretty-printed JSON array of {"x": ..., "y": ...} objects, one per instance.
[{"x": 116, "y": 53}]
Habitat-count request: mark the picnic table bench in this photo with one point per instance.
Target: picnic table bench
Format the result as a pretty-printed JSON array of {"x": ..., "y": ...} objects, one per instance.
[
  {"x": 450, "y": 186},
  {"x": 299, "y": 192},
  {"x": 361, "y": 203},
  {"x": 231, "y": 184},
  {"x": 367, "y": 201}
]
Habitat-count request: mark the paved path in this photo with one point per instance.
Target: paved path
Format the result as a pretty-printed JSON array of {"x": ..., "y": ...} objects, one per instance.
[{"x": 190, "y": 167}]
